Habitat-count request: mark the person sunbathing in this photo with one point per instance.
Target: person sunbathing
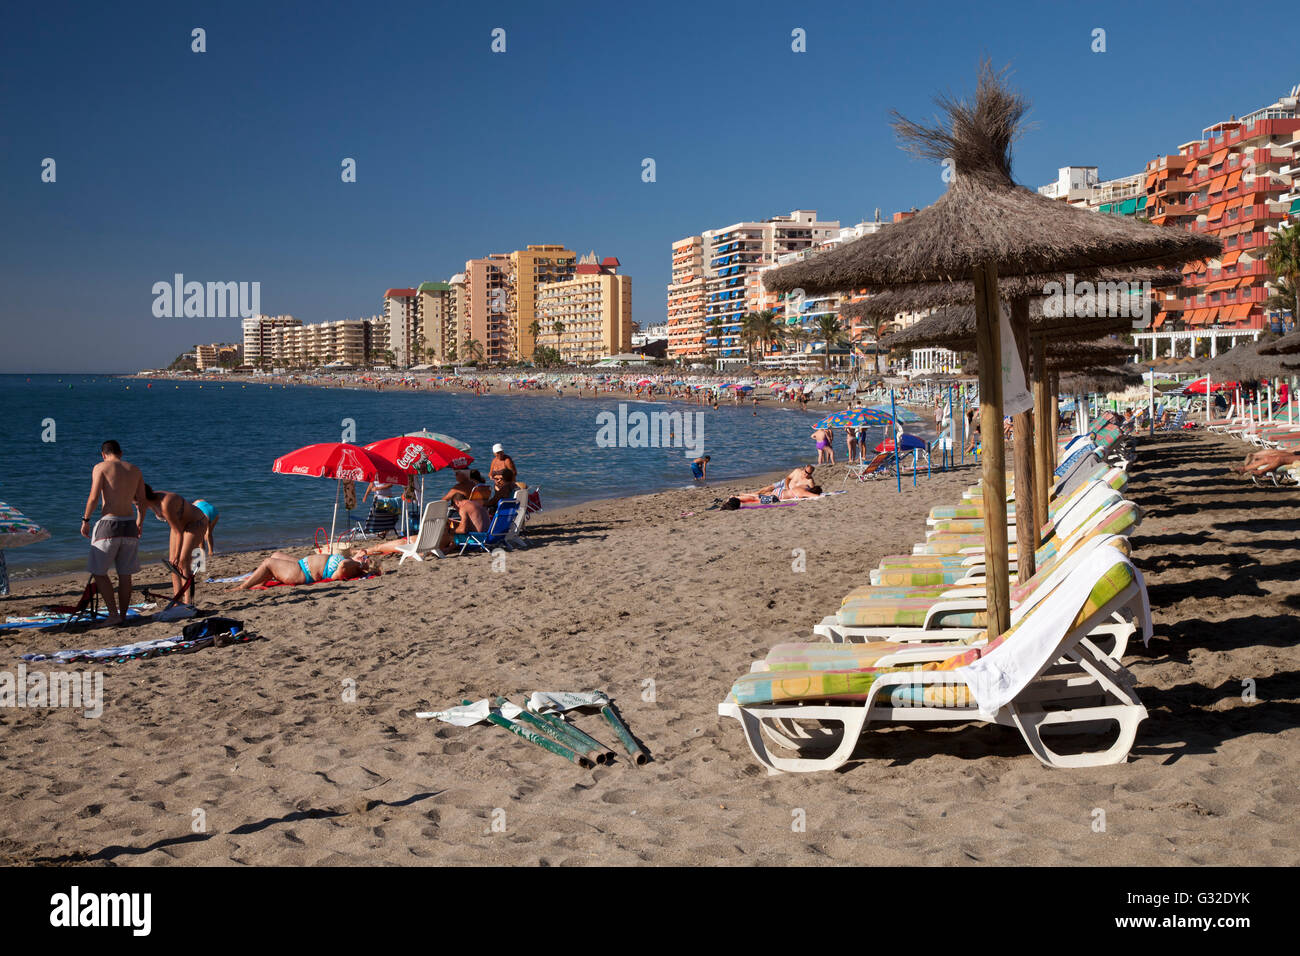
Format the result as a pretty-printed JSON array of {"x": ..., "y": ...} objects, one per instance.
[
  {"x": 1262, "y": 462},
  {"x": 315, "y": 567},
  {"x": 473, "y": 517}
]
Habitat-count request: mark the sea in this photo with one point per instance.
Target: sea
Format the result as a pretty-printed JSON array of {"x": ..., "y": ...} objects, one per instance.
[{"x": 217, "y": 440}]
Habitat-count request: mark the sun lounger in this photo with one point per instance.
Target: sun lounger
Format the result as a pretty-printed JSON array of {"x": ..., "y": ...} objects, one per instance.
[
  {"x": 1043, "y": 673},
  {"x": 959, "y": 611}
]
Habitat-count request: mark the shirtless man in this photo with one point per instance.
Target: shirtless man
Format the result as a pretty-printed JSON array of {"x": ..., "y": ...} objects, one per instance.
[
  {"x": 464, "y": 485},
  {"x": 115, "y": 538},
  {"x": 825, "y": 449},
  {"x": 473, "y": 517},
  {"x": 188, "y": 525}
]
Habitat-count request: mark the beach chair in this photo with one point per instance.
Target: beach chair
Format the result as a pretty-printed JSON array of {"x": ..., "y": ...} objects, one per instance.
[
  {"x": 432, "y": 525},
  {"x": 1044, "y": 673},
  {"x": 881, "y": 466},
  {"x": 942, "y": 612},
  {"x": 496, "y": 531},
  {"x": 380, "y": 520},
  {"x": 515, "y": 536},
  {"x": 1174, "y": 424}
]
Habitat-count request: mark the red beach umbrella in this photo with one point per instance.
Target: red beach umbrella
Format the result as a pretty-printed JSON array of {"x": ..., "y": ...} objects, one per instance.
[
  {"x": 342, "y": 462},
  {"x": 415, "y": 455}
]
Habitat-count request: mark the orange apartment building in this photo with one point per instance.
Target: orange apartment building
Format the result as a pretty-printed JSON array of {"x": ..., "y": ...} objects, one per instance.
[
  {"x": 686, "y": 302},
  {"x": 1230, "y": 184}
]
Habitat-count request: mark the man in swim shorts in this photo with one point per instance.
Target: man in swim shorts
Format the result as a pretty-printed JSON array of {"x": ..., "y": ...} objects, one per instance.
[
  {"x": 700, "y": 468},
  {"x": 115, "y": 537}
]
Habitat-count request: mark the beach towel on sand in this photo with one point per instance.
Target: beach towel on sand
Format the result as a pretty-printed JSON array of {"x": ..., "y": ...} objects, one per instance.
[{"x": 193, "y": 637}]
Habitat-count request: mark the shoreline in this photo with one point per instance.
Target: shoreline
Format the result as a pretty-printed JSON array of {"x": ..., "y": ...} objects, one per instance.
[{"x": 757, "y": 478}]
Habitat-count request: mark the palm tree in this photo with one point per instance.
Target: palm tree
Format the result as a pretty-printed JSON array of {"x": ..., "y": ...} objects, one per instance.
[
  {"x": 769, "y": 328},
  {"x": 830, "y": 331},
  {"x": 749, "y": 332},
  {"x": 535, "y": 330},
  {"x": 474, "y": 351},
  {"x": 715, "y": 330},
  {"x": 1284, "y": 261}
]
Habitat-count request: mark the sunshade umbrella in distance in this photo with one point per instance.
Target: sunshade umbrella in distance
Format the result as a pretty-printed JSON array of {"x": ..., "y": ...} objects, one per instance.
[
  {"x": 16, "y": 530},
  {"x": 983, "y": 227}
]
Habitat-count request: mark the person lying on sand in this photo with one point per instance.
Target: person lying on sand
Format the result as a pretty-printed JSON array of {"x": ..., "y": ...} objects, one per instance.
[
  {"x": 1262, "y": 462},
  {"x": 774, "y": 493},
  {"x": 315, "y": 567}
]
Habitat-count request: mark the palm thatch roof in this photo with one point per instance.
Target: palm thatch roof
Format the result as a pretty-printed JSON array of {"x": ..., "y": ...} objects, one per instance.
[
  {"x": 939, "y": 295},
  {"x": 1246, "y": 362},
  {"x": 984, "y": 217},
  {"x": 1074, "y": 357},
  {"x": 1286, "y": 345},
  {"x": 954, "y": 328},
  {"x": 1106, "y": 379}
]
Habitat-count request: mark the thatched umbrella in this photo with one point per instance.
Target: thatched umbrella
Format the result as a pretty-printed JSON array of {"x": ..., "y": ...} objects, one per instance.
[
  {"x": 939, "y": 295},
  {"x": 1112, "y": 379},
  {"x": 1248, "y": 361},
  {"x": 1286, "y": 345},
  {"x": 983, "y": 226}
]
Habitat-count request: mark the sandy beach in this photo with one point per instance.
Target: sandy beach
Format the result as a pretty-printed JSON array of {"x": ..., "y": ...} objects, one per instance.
[{"x": 616, "y": 595}]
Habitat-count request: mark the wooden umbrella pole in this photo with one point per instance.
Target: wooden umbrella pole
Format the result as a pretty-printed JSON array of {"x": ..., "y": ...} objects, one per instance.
[
  {"x": 1023, "y": 423},
  {"x": 993, "y": 453},
  {"x": 1054, "y": 391},
  {"x": 1044, "y": 434}
]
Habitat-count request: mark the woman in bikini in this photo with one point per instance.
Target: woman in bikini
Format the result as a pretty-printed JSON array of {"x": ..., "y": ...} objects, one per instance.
[
  {"x": 315, "y": 567},
  {"x": 188, "y": 526}
]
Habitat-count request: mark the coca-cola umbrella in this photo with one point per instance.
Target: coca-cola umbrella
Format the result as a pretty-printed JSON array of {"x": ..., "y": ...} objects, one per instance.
[
  {"x": 419, "y": 455},
  {"x": 416, "y": 455},
  {"x": 342, "y": 462}
]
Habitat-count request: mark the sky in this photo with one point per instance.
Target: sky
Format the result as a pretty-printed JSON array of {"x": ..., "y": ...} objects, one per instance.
[{"x": 225, "y": 165}]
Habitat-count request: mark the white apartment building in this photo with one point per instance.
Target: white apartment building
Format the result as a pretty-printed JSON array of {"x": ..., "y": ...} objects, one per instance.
[{"x": 259, "y": 337}]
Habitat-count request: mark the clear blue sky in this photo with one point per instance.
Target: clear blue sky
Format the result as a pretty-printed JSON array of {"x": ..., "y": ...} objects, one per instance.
[{"x": 224, "y": 166}]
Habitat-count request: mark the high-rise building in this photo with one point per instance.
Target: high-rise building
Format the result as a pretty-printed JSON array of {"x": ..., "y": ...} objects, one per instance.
[
  {"x": 588, "y": 316},
  {"x": 686, "y": 299},
  {"x": 435, "y": 309},
  {"x": 259, "y": 337},
  {"x": 401, "y": 313},
  {"x": 1231, "y": 183},
  {"x": 486, "y": 335},
  {"x": 729, "y": 255},
  {"x": 459, "y": 318},
  {"x": 531, "y": 267}
]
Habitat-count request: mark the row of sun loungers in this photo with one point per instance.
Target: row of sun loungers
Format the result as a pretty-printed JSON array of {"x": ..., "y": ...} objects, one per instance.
[{"x": 910, "y": 644}]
